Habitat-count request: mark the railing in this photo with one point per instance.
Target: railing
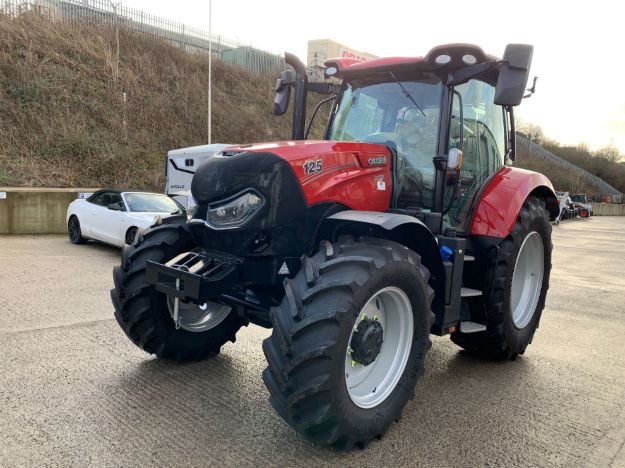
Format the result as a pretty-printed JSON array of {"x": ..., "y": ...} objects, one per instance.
[
  {"x": 603, "y": 188},
  {"x": 110, "y": 14}
]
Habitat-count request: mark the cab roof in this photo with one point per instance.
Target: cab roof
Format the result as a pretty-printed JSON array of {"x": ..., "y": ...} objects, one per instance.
[{"x": 351, "y": 67}]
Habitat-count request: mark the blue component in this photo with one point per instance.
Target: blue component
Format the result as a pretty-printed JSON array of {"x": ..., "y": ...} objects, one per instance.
[{"x": 446, "y": 253}]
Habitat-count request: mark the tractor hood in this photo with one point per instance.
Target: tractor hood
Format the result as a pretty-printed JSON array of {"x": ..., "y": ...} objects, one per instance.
[
  {"x": 354, "y": 174},
  {"x": 299, "y": 183}
]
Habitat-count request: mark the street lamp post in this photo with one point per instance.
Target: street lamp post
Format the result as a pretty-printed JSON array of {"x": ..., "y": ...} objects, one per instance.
[{"x": 210, "y": 60}]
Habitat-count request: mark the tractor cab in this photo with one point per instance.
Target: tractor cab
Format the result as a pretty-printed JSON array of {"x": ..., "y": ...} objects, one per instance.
[{"x": 446, "y": 118}]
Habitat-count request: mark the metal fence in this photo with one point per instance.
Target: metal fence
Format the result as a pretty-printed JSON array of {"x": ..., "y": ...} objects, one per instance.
[
  {"x": 105, "y": 12},
  {"x": 602, "y": 187}
]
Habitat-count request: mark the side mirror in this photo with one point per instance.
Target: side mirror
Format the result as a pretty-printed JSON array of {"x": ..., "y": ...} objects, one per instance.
[
  {"x": 513, "y": 74},
  {"x": 283, "y": 92},
  {"x": 116, "y": 206}
]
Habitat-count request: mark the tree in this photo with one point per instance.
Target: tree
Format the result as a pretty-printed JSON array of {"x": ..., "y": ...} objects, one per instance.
[
  {"x": 609, "y": 153},
  {"x": 533, "y": 131}
]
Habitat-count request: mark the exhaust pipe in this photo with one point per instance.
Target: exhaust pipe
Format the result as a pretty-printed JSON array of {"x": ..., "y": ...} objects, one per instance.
[{"x": 301, "y": 91}]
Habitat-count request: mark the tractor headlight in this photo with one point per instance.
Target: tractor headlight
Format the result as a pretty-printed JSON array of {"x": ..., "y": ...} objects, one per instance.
[{"x": 233, "y": 213}]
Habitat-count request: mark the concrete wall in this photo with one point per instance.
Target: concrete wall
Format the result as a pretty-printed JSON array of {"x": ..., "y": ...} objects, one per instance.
[
  {"x": 608, "y": 209},
  {"x": 43, "y": 211},
  {"x": 35, "y": 211}
]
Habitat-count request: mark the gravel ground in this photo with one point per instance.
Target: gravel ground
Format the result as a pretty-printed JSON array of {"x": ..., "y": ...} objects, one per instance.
[{"x": 75, "y": 392}]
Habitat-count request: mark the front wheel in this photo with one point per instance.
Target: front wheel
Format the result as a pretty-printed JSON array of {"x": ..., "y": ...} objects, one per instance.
[
  {"x": 147, "y": 316},
  {"x": 349, "y": 341},
  {"x": 516, "y": 298}
]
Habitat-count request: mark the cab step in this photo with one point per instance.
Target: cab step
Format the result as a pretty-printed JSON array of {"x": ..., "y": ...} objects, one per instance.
[
  {"x": 471, "y": 327},
  {"x": 468, "y": 292}
]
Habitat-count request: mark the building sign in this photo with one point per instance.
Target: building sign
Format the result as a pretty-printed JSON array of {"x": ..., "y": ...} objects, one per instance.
[
  {"x": 320, "y": 50},
  {"x": 3, "y": 195},
  {"x": 346, "y": 53}
]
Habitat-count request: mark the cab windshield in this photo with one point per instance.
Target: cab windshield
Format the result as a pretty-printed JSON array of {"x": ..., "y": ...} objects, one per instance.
[{"x": 405, "y": 116}]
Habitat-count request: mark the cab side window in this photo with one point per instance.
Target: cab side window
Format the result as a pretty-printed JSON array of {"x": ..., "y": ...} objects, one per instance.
[{"x": 483, "y": 145}]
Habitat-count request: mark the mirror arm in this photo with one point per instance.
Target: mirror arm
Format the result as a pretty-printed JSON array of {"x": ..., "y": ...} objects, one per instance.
[
  {"x": 512, "y": 134},
  {"x": 462, "y": 75},
  {"x": 315, "y": 113},
  {"x": 459, "y": 96},
  {"x": 324, "y": 88},
  {"x": 531, "y": 90}
]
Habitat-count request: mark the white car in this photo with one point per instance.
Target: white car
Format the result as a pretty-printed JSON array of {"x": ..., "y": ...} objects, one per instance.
[{"x": 114, "y": 216}]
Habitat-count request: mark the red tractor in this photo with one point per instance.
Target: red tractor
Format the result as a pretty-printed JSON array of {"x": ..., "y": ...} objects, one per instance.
[{"x": 406, "y": 220}]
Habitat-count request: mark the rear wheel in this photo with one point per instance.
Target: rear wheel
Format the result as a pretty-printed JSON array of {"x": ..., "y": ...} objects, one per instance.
[
  {"x": 517, "y": 295},
  {"x": 584, "y": 213},
  {"x": 74, "y": 232},
  {"x": 349, "y": 341},
  {"x": 146, "y": 315}
]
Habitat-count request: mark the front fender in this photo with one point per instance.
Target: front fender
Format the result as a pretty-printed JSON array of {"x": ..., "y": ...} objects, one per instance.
[
  {"x": 404, "y": 229},
  {"x": 503, "y": 197}
]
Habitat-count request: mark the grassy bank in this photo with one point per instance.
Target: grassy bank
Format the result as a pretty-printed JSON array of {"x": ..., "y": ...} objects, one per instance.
[{"x": 72, "y": 115}]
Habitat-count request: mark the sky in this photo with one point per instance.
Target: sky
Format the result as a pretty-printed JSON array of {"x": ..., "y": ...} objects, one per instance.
[{"x": 578, "y": 46}]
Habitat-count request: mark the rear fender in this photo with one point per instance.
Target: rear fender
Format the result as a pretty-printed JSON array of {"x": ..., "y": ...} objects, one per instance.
[
  {"x": 399, "y": 228},
  {"x": 501, "y": 201}
]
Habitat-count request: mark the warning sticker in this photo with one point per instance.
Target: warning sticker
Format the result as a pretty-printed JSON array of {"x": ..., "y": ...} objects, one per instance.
[
  {"x": 284, "y": 269},
  {"x": 381, "y": 185}
]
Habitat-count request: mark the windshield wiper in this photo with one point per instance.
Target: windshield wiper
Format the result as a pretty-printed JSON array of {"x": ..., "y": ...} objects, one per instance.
[{"x": 406, "y": 93}]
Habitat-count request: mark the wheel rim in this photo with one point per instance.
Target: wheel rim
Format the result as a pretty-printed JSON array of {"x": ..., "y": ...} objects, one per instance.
[
  {"x": 527, "y": 280},
  {"x": 74, "y": 229},
  {"x": 198, "y": 318},
  {"x": 369, "y": 385}
]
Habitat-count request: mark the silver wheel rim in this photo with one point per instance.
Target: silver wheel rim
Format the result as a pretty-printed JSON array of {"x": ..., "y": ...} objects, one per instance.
[
  {"x": 368, "y": 386},
  {"x": 198, "y": 318},
  {"x": 527, "y": 279}
]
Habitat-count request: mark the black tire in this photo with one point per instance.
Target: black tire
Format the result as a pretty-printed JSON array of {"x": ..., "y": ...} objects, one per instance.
[
  {"x": 502, "y": 339},
  {"x": 130, "y": 235},
  {"x": 74, "y": 232},
  {"x": 311, "y": 329},
  {"x": 142, "y": 311}
]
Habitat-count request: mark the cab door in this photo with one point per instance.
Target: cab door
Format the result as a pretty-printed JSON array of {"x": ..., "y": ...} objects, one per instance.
[{"x": 484, "y": 146}]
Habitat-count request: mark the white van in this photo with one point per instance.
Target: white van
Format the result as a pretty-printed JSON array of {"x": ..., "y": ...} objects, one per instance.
[{"x": 181, "y": 165}]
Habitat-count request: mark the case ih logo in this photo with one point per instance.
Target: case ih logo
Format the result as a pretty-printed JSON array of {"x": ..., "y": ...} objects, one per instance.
[{"x": 377, "y": 161}]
